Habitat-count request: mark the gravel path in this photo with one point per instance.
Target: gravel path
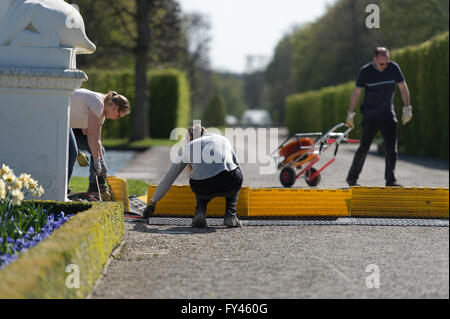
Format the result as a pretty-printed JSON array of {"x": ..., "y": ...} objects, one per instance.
[
  {"x": 278, "y": 262},
  {"x": 282, "y": 261}
]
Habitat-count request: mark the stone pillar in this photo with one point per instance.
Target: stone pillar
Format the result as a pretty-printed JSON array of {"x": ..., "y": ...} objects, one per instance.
[{"x": 35, "y": 89}]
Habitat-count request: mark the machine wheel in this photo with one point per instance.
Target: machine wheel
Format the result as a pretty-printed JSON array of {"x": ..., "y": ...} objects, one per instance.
[
  {"x": 287, "y": 176},
  {"x": 310, "y": 173}
]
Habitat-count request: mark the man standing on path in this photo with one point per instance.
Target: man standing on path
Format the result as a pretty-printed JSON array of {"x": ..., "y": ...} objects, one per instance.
[{"x": 378, "y": 78}]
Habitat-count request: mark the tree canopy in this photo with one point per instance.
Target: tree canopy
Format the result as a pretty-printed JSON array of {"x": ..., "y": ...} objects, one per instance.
[{"x": 331, "y": 50}]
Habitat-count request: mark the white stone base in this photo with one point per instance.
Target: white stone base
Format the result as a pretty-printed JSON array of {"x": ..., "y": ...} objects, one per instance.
[
  {"x": 57, "y": 58},
  {"x": 35, "y": 89},
  {"x": 34, "y": 138}
]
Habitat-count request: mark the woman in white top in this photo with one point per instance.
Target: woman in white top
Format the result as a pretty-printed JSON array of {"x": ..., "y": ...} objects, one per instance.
[
  {"x": 88, "y": 111},
  {"x": 214, "y": 171}
]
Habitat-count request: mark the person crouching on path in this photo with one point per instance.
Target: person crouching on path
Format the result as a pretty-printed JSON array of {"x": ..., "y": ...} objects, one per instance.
[
  {"x": 216, "y": 176},
  {"x": 88, "y": 111}
]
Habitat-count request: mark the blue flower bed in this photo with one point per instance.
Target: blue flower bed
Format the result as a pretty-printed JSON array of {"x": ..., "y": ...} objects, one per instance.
[
  {"x": 18, "y": 241},
  {"x": 22, "y": 224}
]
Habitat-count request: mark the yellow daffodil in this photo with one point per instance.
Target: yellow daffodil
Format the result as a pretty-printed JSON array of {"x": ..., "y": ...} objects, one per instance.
[
  {"x": 38, "y": 192},
  {"x": 10, "y": 181},
  {"x": 2, "y": 190},
  {"x": 11, "y": 186},
  {"x": 5, "y": 170},
  {"x": 32, "y": 184},
  {"x": 25, "y": 179},
  {"x": 17, "y": 197},
  {"x": 17, "y": 184}
]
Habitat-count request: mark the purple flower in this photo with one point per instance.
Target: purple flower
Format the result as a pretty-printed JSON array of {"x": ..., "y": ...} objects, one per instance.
[{"x": 29, "y": 238}]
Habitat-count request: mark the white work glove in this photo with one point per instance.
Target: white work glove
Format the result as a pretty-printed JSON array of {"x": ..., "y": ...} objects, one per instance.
[
  {"x": 350, "y": 122},
  {"x": 100, "y": 167},
  {"x": 407, "y": 114}
]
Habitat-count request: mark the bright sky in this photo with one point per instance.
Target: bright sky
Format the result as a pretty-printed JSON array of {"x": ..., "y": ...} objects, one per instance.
[{"x": 251, "y": 27}]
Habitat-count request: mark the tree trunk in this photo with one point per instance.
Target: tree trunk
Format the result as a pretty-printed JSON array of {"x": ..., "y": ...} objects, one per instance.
[{"x": 140, "y": 125}]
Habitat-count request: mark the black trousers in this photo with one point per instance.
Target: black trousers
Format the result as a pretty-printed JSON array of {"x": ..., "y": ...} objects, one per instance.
[
  {"x": 225, "y": 184},
  {"x": 388, "y": 129}
]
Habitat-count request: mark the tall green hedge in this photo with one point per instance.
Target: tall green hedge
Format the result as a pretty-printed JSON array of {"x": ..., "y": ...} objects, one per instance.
[
  {"x": 426, "y": 71},
  {"x": 215, "y": 112},
  {"x": 169, "y": 102},
  {"x": 319, "y": 110},
  {"x": 169, "y": 105}
]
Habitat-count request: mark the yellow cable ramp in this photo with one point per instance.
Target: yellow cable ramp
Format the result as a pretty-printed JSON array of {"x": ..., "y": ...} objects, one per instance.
[{"x": 404, "y": 202}]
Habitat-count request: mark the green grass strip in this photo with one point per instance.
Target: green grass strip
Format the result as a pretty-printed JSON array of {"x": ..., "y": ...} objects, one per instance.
[
  {"x": 124, "y": 143},
  {"x": 135, "y": 187}
]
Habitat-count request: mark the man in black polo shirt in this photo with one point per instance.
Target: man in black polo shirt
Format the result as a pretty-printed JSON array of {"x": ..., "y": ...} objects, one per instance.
[{"x": 378, "y": 78}]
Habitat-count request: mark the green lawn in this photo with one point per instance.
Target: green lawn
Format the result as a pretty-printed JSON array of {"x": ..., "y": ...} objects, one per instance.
[
  {"x": 125, "y": 143},
  {"x": 135, "y": 187}
]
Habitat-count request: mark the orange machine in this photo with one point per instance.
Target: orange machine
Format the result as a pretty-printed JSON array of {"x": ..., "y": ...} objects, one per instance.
[{"x": 293, "y": 154}]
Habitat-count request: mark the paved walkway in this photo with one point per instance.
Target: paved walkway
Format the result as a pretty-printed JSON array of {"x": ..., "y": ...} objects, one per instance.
[{"x": 282, "y": 261}]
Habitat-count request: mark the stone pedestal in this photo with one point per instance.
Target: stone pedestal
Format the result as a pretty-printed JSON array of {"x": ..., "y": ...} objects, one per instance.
[{"x": 35, "y": 89}]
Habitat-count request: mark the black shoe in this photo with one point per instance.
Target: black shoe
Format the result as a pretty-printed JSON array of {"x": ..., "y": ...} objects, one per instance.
[
  {"x": 351, "y": 182},
  {"x": 199, "y": 220},
  {"x": 393, "y": 184},
  {"x": 232, "y": 221},
  {"x": 148, "y": 211}
]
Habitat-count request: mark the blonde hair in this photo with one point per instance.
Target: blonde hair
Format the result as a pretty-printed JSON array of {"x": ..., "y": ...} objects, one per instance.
[
  {"x": 119, "y": 100},
  {"x": 195, "y": 132}
]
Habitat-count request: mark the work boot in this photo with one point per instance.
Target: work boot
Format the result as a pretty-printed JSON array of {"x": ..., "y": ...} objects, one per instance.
[
  {"x": 232, "y": 221},
  {"x": 393, "y": 184},
  {"x": 351, "y": 182},
  {"x": 199, "y": 220}
]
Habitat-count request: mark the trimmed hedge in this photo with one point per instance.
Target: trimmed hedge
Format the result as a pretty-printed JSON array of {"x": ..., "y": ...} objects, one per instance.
[
  {"x": 215, "y": 112},
  {"x": 169, "y": 100},
  {"x": 426, "y": 71},
  {"x": 320, "y": 110},
  {"x": 86, "y": 239}
]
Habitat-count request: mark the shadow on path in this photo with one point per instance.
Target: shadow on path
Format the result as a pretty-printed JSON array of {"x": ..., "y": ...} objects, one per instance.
[
  {"x": 424, "y": 161},
  {"x": 427, "y": 162},
  {"x": 142, "y": 228}
]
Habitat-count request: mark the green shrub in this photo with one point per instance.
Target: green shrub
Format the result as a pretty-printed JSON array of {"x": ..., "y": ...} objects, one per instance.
[
  {"x": 316, "y": 111},
  {"x": 169, "y": 102},
  {"x": 215, "y": 112},
  {"x": 426, "y": 71}
]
